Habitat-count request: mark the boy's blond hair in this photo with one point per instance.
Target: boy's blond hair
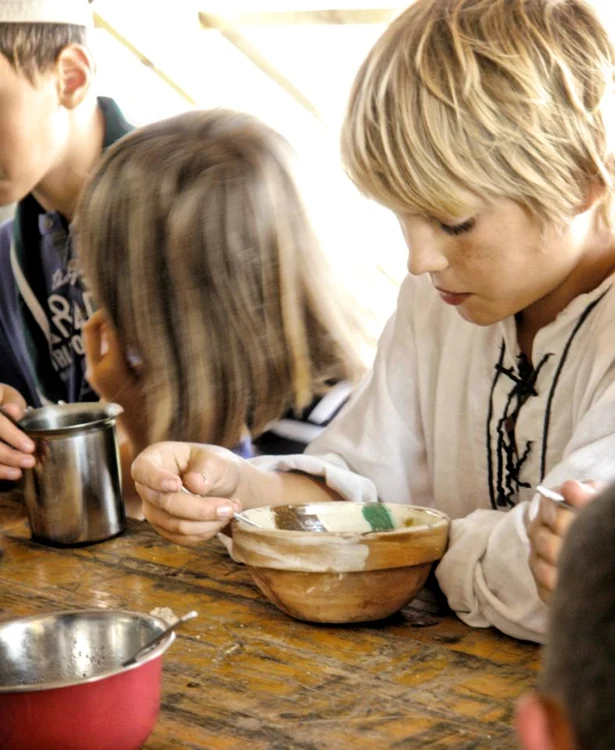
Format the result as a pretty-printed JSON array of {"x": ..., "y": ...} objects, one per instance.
[
  {"x": 196, "y": 243},
  {"x": 503, "y": 98},
  {"x": 33, "y": 48}
]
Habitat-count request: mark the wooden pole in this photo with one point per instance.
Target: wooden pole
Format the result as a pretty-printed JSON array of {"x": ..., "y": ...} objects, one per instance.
[
  {"x": 101, "y": 23},
  {"x": 238, "y": 40}
]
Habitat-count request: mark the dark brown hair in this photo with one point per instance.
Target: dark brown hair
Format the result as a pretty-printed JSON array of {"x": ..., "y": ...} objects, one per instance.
[
  {"x": 33, "y": 48},
  {"x": 579, "y": 667}
]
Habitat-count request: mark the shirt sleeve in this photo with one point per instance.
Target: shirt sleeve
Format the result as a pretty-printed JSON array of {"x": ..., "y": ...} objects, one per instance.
[{"x": 485, "y": 573}]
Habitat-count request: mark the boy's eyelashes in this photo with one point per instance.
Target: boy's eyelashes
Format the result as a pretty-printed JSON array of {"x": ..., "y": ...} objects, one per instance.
[{"x": 456, "y": 229}]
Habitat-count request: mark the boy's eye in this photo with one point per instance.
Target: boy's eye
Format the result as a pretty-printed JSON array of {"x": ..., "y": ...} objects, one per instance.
[{"x": 458, "y": 228}]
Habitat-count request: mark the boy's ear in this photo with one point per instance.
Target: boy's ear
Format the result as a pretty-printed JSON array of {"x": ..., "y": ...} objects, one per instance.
[
  {"x": 75, "y": 72},
  {"x": 541, "y": 724},
  {"x": 595, "y": 193}
]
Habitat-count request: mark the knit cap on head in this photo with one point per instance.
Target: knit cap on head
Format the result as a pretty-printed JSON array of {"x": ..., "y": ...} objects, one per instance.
[{"x": 73, "y": 12}]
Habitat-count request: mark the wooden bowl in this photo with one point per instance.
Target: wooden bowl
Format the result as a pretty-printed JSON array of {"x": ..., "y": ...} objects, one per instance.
[{"x": 340, "y": 562}]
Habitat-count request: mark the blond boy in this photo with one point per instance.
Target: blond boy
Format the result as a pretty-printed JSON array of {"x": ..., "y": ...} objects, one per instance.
[{"x": 486, "y": 126}]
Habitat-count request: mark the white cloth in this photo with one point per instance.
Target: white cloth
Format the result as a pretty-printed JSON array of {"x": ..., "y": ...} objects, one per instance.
[
  {"x": 74, "y": 12},
  {"x": 426, "y": 427}
]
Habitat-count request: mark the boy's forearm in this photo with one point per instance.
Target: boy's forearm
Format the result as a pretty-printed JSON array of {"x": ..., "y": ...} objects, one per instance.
[{"x": 264, "y": 487}]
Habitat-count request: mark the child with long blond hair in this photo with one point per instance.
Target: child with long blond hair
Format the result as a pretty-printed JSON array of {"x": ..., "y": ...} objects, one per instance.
[{"x": 217, "y": 313}]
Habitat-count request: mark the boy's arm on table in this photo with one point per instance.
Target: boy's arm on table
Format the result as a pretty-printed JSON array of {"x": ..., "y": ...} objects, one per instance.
[{"x": 485, "y": 573}]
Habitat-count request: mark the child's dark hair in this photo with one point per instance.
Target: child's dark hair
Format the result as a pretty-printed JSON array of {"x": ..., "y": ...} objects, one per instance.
[
  {"x": 580, "y": 659},
  {"x": 33, "y": 48}
]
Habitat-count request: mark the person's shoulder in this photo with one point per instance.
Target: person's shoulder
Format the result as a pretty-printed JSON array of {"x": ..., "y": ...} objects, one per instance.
[
  {"x": 6, "y": 228},
  {"x": 598, "y": 307},
  {"x": 116, "y": 125},
  {"x": 596, "y": 321},
  {"x": 609, "y": 292},
  {"x": 8, "y": 288}
]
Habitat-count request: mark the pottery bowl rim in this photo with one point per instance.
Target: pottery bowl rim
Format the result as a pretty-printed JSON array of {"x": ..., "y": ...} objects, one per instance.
[{"x": 440, "y": 520}]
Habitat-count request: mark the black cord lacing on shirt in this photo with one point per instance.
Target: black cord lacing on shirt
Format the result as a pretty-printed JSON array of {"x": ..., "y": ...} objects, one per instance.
[
  {"x": 510, "y": 461},
  {"x": 510, "y": 458},
  {"x": 498, "y": 372}
]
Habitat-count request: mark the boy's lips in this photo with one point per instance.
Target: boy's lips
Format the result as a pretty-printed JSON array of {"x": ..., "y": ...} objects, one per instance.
[{"x": 452, "y": 298}]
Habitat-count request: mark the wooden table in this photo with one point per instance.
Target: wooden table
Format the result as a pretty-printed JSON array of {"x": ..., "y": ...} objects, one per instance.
[{"x": 245, "y": 676}]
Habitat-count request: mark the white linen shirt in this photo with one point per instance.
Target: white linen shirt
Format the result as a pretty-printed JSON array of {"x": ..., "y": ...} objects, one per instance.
[{"x": 431, "y": 425}]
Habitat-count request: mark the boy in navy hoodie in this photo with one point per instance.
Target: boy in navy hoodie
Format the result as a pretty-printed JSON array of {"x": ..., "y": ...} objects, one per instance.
[{"x": 52, "y": 131}]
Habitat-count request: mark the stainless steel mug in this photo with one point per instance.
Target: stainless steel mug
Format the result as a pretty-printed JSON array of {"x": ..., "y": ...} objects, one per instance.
[{"x": 74, "y": 492}]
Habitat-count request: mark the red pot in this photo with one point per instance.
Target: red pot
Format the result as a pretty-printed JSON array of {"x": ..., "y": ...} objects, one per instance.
[{"x": 93, "y": 703}]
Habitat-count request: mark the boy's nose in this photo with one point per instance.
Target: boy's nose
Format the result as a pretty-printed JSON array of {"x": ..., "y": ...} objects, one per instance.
[
  {"x": 425, "y": 247},
  {"x": 424, "y": 257}
]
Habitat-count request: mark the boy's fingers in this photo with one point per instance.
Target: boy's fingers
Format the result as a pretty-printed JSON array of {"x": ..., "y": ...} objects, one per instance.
[
  {"x": 181, "y": 506},
  {"x": 547, "y": 545},
  {"x": 552, "y": 514},
  {"x": 151, "y": 477},
  {"x": 217, "y": 475},
  {"x": 96, "y": 319},
  {"x": 185, "y": 530},
  {"x": 15, "y": 446},
  {"x": 162, "y": 466},
  {"x": 14, "y": 439},
  {"x": 183, "y": 540},
  {"x": 545, "y": 576},
  {"x": 580, "y": 494},
  {"x": 12, "y": 400},
  {"x": 10, "y": 472},
  {"x": 112, "y": 340},
  {"x": 14, "y": 458},
  {"x": 15, "y": 410}
]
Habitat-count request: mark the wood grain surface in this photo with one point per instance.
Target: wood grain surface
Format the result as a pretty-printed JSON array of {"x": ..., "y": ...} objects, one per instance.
[{"x": 245, "y": 675}]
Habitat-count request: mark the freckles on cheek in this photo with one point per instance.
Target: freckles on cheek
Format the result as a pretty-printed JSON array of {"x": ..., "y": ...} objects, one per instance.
[
  {"x": 495, "y": 245},
  {"x": 472, "y": 255}
]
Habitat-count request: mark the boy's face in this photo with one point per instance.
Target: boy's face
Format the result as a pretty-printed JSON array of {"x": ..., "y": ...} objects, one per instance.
[
  {"x": 32, "y": 131},
  {"x": 495, "y": 261}
]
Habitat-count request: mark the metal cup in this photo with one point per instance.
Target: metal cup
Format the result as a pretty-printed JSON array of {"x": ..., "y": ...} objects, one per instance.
[{"x": 74, "y": 492}]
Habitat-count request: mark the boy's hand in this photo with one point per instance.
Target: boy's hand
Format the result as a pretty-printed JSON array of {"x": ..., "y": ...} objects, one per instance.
[
  {"x": 548, "y": 530},
  {"x": 209, "y": 471},
  {"x": 16, "y": 448}
]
